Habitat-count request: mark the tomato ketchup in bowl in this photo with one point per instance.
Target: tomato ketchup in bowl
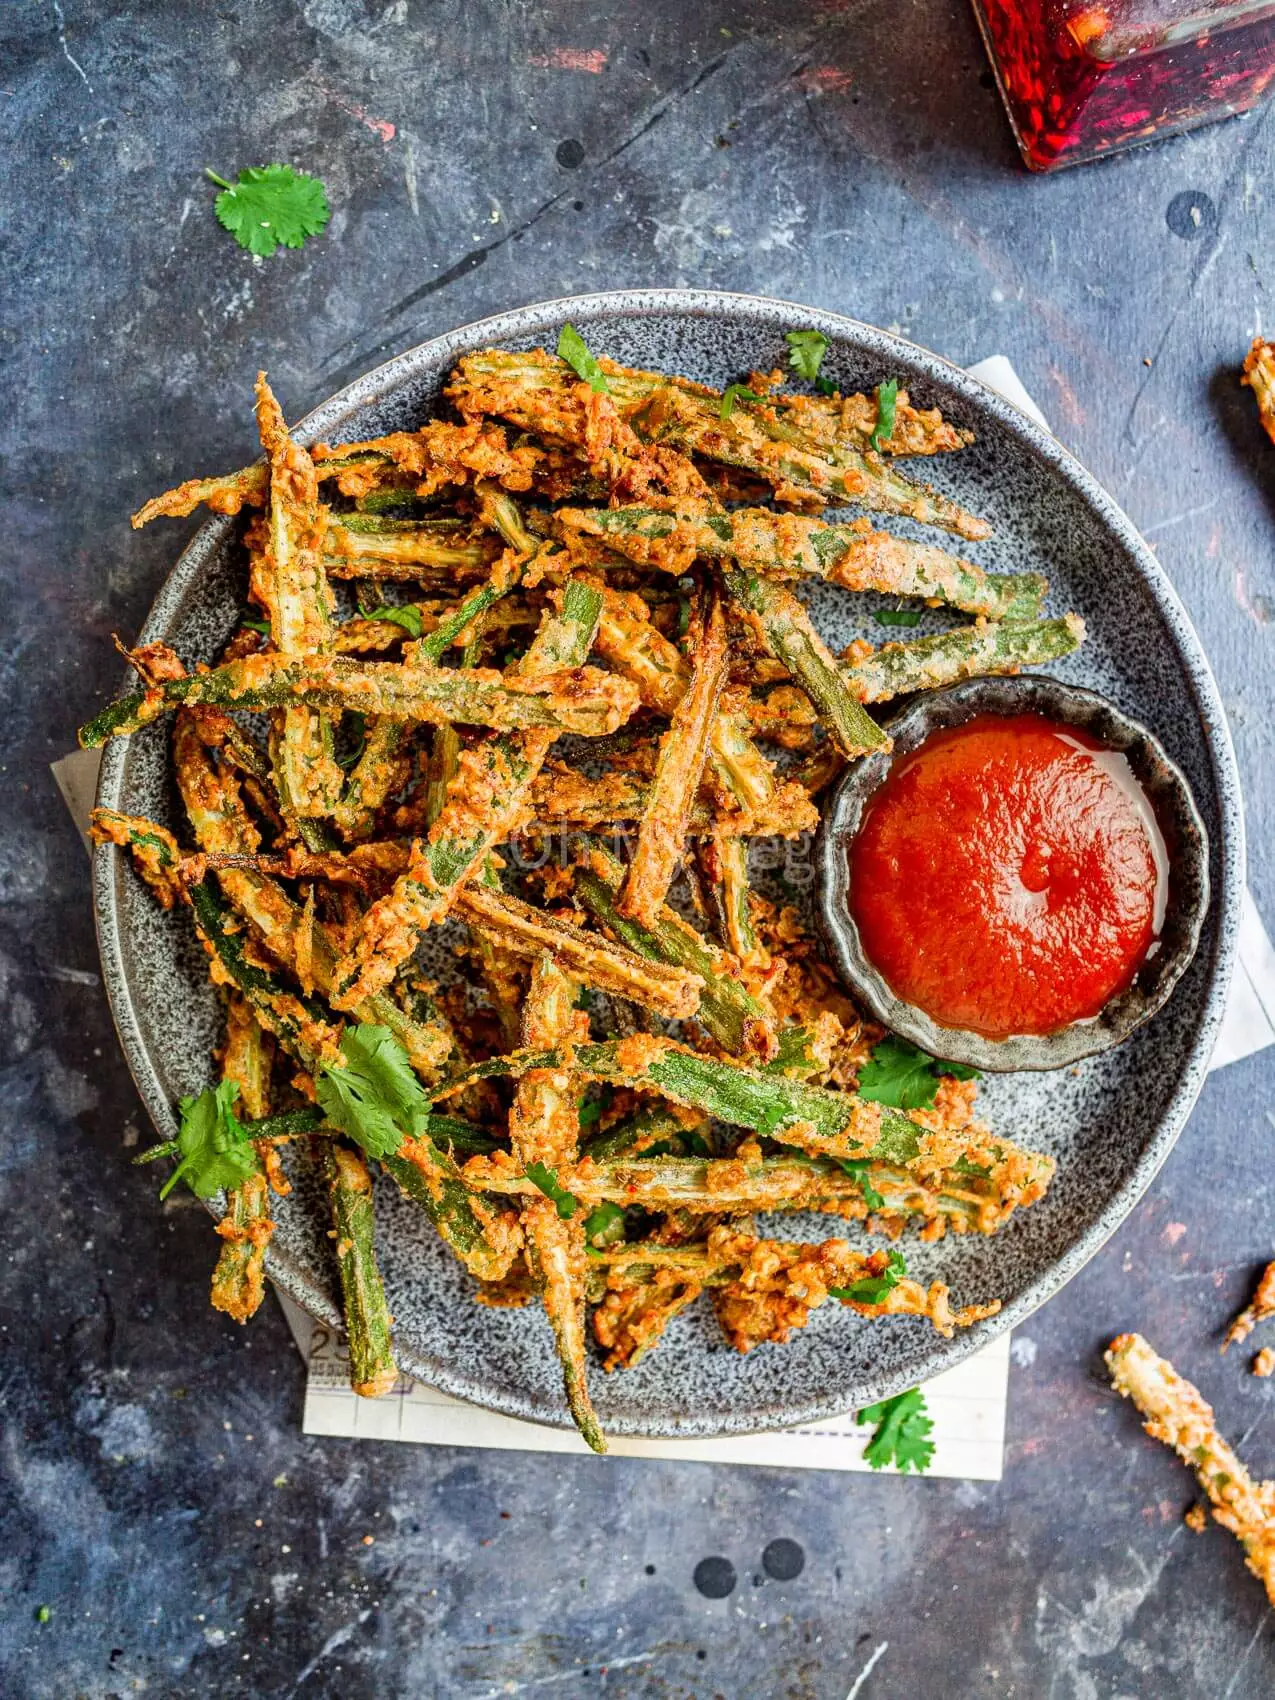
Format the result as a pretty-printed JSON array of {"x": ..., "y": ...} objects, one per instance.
[{"x": 1021, "y": 882}]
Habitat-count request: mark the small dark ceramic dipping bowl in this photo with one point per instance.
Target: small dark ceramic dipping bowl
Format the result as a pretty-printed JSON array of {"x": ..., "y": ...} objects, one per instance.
[{"x": 1175, "y": 810}]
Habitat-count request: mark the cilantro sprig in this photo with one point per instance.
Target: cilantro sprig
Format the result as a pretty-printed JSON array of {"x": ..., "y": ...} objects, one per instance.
[
  {"x": 806, "y": 350},
  {"x": 859, "y": 1170},
  {"x": 887, "y": 399},
  {"x": 270, "y": 205},
  {"x": 375, "y": 1099},
  {"x": 541, "y": 1175},
  {"x": 904, "y": 1076},
  {"x": 216, "y": 1153},
  {"x": 575, "y": 351},
  {"x": 733, "y": 393},
  {"x": 404, "y": 614},
  {"x": 903, "y": 1429},
  {"x": 874, "y": 1289}
]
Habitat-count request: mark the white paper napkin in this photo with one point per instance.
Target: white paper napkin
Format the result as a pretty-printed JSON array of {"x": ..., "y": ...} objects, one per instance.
[{"x": 967, "y": 1404}]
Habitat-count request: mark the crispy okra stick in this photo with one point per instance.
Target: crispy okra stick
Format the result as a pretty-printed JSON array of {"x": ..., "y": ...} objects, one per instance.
[
  {"x": 1178, "y": 1415},
  {"x": 883, "y": 1193},
  {"x": 1259, "y": 375},
  {"x": 639, "y": 650},
  {"x": 483, "y": 803},
  {"x": 792, "y": 546},
  {"x": 724, "y": 858},
  {"x": 968, "y": 652},
  {"x": 153, "y": 850},
  {"x": 544, "y": 1126},
  {"x": 581, "y": 699},
  {"x": 566, "y": 798},
  {"x": 661, "y": 836},
  {"x": 727, "y": 1010},
  {"x": 238, "y": 1283},
  {"x": 249, "y": 487},
  {"x": 541, "y": 394},
  {"x": 672, "y": 992},
  {"x": 820, "y": 1122},
  {"x": 786, "y": 630},
  {"x": 1259, "y": 1307},
  {"x": 747, "y": 1266},
  {"x": 373, "y": 1371},
  {"x": 289, "y": 579}
]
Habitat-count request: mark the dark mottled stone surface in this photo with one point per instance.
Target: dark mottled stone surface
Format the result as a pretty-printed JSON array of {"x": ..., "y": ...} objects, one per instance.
[{"x": 158, "y": 1497}]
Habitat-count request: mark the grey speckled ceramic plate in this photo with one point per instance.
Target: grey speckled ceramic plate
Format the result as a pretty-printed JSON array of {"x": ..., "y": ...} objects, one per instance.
[{"x": 1110, "y": 1122}]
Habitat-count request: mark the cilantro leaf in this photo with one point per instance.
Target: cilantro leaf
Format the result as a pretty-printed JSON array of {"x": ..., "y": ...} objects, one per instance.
[
  {"x": 859, "y": 1171},
  {"x": 269, "y": 205},
  {"x": 902, "y": 1436},
  {"x": 575, "y": 351},
  {"x": 806, "y": 350},
  {"x": 262, "y": 626},
  {"x": 544, "y": 1177},
  {"x": 874, "y": 1289},
  {"x": 405, "y": 614},
  {"x": 898, "y": 1074},
  {"x": 887, "y": 396},
  {"x": 733, "y": 393},
  {"x": 897, "y": 616},
  {"x": 376, "y": 1098},
  {"x": 215, "y": 1150},
  {"x": 605, "y": 1225}
]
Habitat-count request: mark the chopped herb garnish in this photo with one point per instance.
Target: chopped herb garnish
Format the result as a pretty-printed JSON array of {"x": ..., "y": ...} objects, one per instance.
[
  {"x": 806, "y": 350},
  {"x": 902, "y": 1435},
  {"x": 874, "y": 1289},
  {"x": 897, "y": 616},
  {"x": 575, "y": 351},
  {"x": 269, "y": 205},
  {"x": 887, "y": 396},
  {"x": 43, "y": 1613},
  {"x": 376, "y": 1098},
  {"x": 733, "y": 393},
  {"x": 859, "y": 1171},
  {"x": 604, "y": 1226},
  {"x": 403, "y": 614},
  {"x": 905, "y": 1077},
  {"x": 544, "y": 1177},
  {"x": 262, "y": 626}
]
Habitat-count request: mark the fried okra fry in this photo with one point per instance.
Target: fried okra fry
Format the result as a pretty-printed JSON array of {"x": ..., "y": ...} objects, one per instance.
[
  {"x": 662, "y": 830},
  {"x": 672, "y": 992},
  {"x": 246, "y": 1229},
  {"x": 289, "y": 580},
  {"x": 785, "y": 629},
  {"x": 541, "y": 394},
  {"x": 1259, "y": 375},
  {"x": 792, "y": 546},
  {"x": 968, "y": 652},
  {"x": 373, "y": 1371},
  {"x": 1176, "y": 1414},
  {"x": 582, "y": 700},
  {"x": 1259, "y": 1307},
  {"x": 544, "y": 1126}
]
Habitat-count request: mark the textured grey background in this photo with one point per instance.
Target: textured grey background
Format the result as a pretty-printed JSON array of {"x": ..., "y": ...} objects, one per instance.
[{"x": 157, "y": 1495}]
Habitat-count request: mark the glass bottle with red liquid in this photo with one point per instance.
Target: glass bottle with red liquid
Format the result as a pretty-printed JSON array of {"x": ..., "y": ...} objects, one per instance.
[{"x": 1082, "y": 78}]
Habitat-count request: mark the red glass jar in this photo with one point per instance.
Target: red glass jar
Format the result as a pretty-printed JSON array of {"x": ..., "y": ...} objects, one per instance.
[{"x": 1082, "y": 78}]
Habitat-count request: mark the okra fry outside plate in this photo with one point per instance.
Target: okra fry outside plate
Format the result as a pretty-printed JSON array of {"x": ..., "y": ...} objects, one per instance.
[{"x": 1110, "y": 1121}]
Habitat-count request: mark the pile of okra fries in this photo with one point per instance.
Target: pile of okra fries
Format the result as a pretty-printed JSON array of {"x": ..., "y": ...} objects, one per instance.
[{"x": 566, "y": 615}]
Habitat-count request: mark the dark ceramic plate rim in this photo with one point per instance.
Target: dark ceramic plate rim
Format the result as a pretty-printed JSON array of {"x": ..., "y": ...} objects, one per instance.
[
  {"x": 1077, "y": 705},
  {"x": 542, "y": 320}
]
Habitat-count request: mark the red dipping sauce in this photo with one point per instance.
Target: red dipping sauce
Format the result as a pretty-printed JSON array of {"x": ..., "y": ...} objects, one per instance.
[{"x": 1009, "y": 876}]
